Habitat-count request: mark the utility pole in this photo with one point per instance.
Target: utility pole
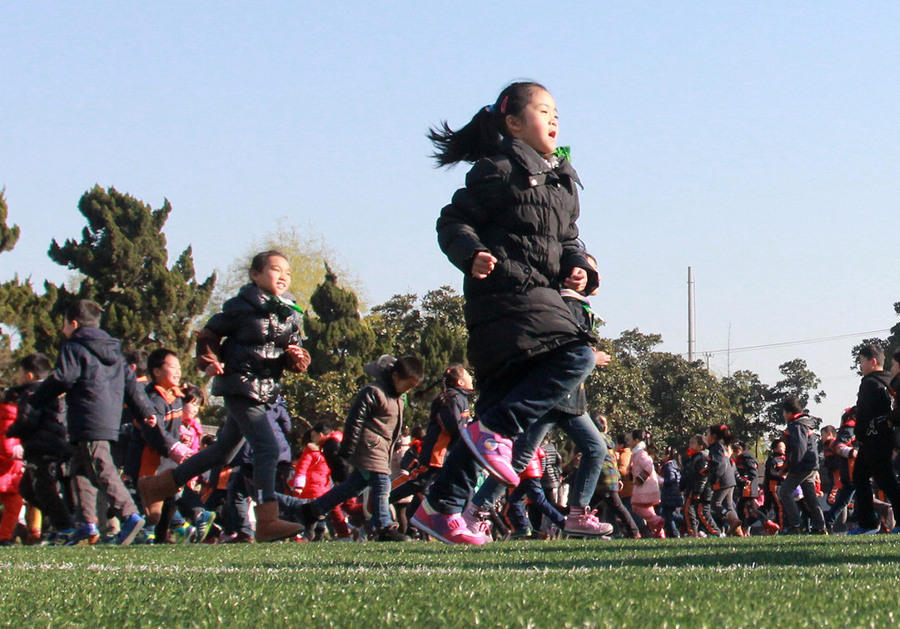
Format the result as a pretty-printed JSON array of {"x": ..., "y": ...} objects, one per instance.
[{"x": 691, "y": 339}]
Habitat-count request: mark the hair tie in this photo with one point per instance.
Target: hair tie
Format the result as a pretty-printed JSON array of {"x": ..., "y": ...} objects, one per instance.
[{"x": 503, "y": 104}]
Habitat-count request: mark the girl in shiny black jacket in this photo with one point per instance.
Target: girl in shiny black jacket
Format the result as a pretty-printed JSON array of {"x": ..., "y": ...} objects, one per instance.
[{"x": 246, "y": 347}]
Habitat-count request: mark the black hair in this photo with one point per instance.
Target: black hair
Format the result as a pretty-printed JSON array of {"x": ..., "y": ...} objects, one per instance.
[
  {"x": 323, "y": 426},
  {"x": 872, "y": 352},
  {"x": 453, "y": 374},
  {"x": 418, "y": 432},
  {"x": 207, "y": 440},
  {"x": 85, "y": 313},
  {"x": 138, "y": 358},
  {"x": 831, "y": 430},
  {"x": 157, "y": 358},
  {"x": 741, "y": 444},
  {"x": 722, "y": 433},
  {"x": 671, "y": 453},
  {"x": 792, "y": 405},
  {"x": 193, "y": 394},
  {"x": 774, "y": 443},
  {"x": 36, "y": 364},
  {"x": 261, "y": 260},
  {"x": 698, "y": 439},
  {"x": 409, "y": 367},
  {"x": 620, "y": 439},
  {"x": 306, "y": 438},
  {"x": 641, "y": 434},
  {"x": 483, "y": 135}
]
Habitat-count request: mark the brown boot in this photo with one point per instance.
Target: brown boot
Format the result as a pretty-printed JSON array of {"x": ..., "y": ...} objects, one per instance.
[
  {"x": 153, "y": 490},
  {"x": 269, "y": 528}
]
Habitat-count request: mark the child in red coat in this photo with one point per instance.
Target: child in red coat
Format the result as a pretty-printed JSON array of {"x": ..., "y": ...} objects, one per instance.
[{"x": 11, "y": 470}]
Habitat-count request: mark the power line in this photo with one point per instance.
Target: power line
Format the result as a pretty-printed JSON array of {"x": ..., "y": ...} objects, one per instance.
[{"x": 752, "y": 348}]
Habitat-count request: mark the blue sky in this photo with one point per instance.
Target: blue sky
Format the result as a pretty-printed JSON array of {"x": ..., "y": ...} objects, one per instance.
[{"x": 755, "y": 142}]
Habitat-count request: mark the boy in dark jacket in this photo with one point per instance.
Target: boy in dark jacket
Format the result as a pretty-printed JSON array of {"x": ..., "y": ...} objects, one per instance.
[
  {"x": 801, "y": 440},
  {"x": 373, "y": 427},
  {"x": 876, "y": 444},
  {"x": 91, "y": 372},
  {"x": 697, "y": 491},
  {"x": 44, "y": 443}
]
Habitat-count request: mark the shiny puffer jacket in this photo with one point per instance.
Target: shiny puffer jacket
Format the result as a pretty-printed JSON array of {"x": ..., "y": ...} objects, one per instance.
[
  {"x": 522, "y": 210},
  {"x": 257, "y": 328}
]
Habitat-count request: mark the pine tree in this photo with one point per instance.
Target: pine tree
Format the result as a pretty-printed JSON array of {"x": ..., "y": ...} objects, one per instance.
[
  {"x": 123, "y": 258},
  {"x": 8, "y": 235},
  {"x": 338, "y": 338}
]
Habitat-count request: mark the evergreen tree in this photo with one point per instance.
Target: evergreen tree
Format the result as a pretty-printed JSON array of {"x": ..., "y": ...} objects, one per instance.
[
  {"x": 8, "y": 235},
  {"x": 337, "y": 337},
  {"x": 123, "y": 258}
]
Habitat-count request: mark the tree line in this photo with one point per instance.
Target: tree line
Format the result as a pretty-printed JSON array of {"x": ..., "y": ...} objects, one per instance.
[{"x": 121, "y": 262}]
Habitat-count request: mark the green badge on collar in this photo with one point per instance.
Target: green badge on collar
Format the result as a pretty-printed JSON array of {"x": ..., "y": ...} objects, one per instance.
[{"x": 564, "y": 152}]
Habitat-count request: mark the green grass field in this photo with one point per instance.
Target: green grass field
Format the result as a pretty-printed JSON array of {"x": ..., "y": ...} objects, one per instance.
[{"x": 755, "y": 582}]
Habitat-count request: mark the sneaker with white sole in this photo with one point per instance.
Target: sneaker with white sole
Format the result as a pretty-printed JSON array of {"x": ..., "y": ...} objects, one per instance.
[
  {"x": 492, "y": 450},
  {"x": 448, "y": 528},
  {"x": 203, "y": 523},
  {"x": 477, "y": 522},
  {"x": 583, "y": 521},
  {"x": 83, "y": 534}
]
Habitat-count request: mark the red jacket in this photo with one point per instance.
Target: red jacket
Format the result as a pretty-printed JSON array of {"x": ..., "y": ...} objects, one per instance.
[
  {"x": 10, "y": 469},
  {"x": 535, "y": 469},
  {"x": 312, "y": 476}
]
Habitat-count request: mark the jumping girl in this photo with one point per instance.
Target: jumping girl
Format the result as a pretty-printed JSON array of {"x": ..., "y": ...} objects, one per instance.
[{"x": 511, "y": 231}]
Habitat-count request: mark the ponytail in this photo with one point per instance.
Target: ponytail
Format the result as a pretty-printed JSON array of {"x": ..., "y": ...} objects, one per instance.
[
  {"x": 722, "y": 433},
  {"x": 483, "y": 135}
]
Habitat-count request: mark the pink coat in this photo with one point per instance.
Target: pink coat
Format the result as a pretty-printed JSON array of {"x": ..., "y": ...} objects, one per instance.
[
  {"x": 10, "y": 469},
  {"x": 646, "y": 493}
]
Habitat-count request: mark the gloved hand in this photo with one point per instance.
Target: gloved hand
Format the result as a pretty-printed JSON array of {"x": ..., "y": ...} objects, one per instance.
[{"x": 179, "y": 452}]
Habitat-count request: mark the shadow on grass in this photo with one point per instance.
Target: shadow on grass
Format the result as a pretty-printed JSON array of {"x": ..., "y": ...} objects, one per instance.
[{"x": 687, "y": 553}]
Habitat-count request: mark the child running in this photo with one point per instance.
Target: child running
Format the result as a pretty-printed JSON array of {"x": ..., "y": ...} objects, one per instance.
[
  {"x": 261, "y": 332},
  {"x": 512, "y": 231}
]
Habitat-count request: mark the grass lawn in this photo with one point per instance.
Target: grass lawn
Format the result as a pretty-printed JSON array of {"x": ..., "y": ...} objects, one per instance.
[{"x": 756, "y": 582}]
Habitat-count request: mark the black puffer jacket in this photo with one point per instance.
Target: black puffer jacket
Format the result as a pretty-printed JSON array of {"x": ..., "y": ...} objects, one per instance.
[
  {"x": 523, "y": 212},
  {"x": 257, "y": 327},
  {"x": 721, "y": 473},
  {"x": 92, "y": 373},
  {"x": 41, "y": 431}
]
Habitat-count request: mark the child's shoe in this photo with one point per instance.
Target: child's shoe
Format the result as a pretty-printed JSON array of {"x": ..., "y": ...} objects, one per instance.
[
  {"x": 204, "y": 523},
  {"x": 184, "y": 534},
  {"x": 492, "y": 450},
  {"x": 477, "y": 522},
  {"x": 448, "y": 528},
  {"x": 390, "y": 534},
  {"x": 583, "y": 521},
  {"x": 131, "y": 528},
  {"x": 83, "y": 534},
  {"x": 770, "y": 527}
]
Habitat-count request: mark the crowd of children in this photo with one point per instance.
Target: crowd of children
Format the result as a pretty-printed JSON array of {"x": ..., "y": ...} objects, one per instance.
[{"x": 70, "y": 453}]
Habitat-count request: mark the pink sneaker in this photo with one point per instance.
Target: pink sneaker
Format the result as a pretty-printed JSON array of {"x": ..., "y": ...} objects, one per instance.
[
  {"x": 493, "y": 451},
  {"x": 450, "y": 529},
  {"x": 477, "y": 523},
  {"x": 581, "y": 521}
]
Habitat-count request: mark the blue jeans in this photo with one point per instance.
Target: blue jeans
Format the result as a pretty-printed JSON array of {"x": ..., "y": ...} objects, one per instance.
[
  {"x": 587, "y": 438},
  {"x": 246, "y": 419},
  {"x": 379, "y": 488},
  {"x": 509, "y": 405},
  {"x": 518, "y": 516}
]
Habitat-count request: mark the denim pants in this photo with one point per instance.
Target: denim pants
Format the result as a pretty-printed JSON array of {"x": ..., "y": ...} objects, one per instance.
[
  {"x": 246, "y": 419},
  {"x": 586, "y": 437},
  {"x": 509, "y": 405},
  {"x": 517, "y": 514},
  {"x": 379, "y": 487}
]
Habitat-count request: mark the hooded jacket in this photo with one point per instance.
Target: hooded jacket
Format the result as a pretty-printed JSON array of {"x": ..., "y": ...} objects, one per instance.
[
  {"x": 374, "y": 422},
  {"x": 92, "y": 373},
  {"x": 802, "y": 440},
  {"x": 257, "y": 328},
  {"x": 42, "y": 432},
  {"x": 523, "y": 211}
]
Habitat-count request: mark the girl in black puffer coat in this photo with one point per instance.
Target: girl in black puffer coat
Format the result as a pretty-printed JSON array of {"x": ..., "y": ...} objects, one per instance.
[
  {"x": 261, "y": 332},
  {"x": 511, "y": 230}
]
